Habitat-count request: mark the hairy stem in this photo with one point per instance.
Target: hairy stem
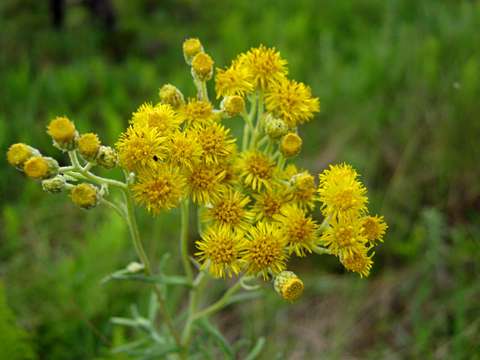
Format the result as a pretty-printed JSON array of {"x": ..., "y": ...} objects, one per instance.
[{"x": 184, "y": 231}]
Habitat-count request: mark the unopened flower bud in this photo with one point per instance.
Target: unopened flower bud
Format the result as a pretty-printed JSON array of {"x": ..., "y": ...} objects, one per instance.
[
  {"x": 63, "y": 133},
  {"x": 85, "y": 195},
  {"x": 275, "y": 128},
  {"x": 202, "y": 66},
  {"x": 40, "y": 167},
  {"x": 288, "y": 285},
  {"x": 170, "y": 94},
  {"x": 19, "y": 153},
  {"x": 88, "y": 146},
  {"x": 304, "y": 181},
  {"x": 191, "y": 47},
  {"x": 290, "y": 145},
  {"x": 107, "y": 157},
  {"x": 233, "y": 105},
  {"x": 54, "y": 185}
]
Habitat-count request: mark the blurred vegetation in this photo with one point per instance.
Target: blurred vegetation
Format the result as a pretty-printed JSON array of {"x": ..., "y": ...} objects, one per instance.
[{"x": 399, "y": 82}]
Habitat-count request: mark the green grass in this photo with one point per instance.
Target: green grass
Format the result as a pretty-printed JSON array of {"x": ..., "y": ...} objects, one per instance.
[{"x": 399, "y": 83}]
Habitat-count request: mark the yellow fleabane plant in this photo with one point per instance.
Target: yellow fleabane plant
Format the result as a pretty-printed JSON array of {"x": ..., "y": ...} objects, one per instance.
[{"x": 255, "y": 210}]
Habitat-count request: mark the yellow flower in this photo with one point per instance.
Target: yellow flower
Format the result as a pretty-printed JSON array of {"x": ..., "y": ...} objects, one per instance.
[
  {"x": 230, "y": 210},
  {"x": 256, "y": 169},
  {"x": 139, "y": 147},
  {"x": 265, "y": 66},
  {"x": 219, "y": 250},
  {"x": 344, "y": 236},
  {"x": 205, "y": 183},
  {"x": 341, "y": 192},
  {"x": 159, "y": 188},
  {"x": 291, "y": 101},
  {"x": 183, "y": 149},
  {"x": 291, "y": 144},
  {"x": 235, "y": 80},
  {"x": 358, "y": 261},
  {"x": 85, "y": 195},
  {"x": 40, "y": 167},
  {"x": 19, "y": 153},
  {"x": 62, "y": 131},
  {"x": 215, "y": 141},
  {"x": 169, "y": 94},
  {"x": 160, "y": 116},
  {"x": 197, "y": 112},
  {"x": 304, "y": 190},
  {"x": 288, "y": 285},
  {"x": 265, "y": 252},
  {"x": 191, "y": 47},
  {"x": 374, "y": 228},
  {"x": 202, "y": 66},
  {"x": 233, "y": 105},
  {"x": 88, "y": 145},
  {"x": 269, "y": 203},
  {"x": 301, "y": 231}
]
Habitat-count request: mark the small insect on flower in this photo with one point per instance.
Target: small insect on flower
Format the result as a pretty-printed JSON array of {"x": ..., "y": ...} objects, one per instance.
[
  {"x": 291, "y": 101},
  {"x": 63, "y": 132},
  {"x": 160, "y": 187},
  {"x": 183, "y": 149},
  {"x": 160, "y": 116},
  {"x": 220, "y": 250},
  {"x": 205, "y": 183},
  {"x": 256, "y": 170},
  {"x": 216, "y": 142},
  {"x": 202, "y": 66},
  {"x": 374, "y": 228},
  {"x": 139, "y": 147},
  {"x": 269, "y": 202},
  {"x": 344, "y": 235},
  {"x": 341, "y": 192},
  {"x": 288, "y": 285},
  {"x": 230, "y": 210},
  {"x": 19, "y": 153},
  {"x": 358, "y": 261},
  {"x": 85, "y": 195},
  {"x": 265, "y": 252},
  {"x": 197, "y": 112},
  {"x": 88, "y": 146},
  {"x": 234, "y": 80},
  {"x": 40, "y": 167},
  {"x": 265, "y": 66},
  {"x": 300, "y": 230}
]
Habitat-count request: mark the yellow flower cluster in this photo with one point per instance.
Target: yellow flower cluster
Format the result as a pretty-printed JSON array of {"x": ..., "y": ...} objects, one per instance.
[{"x": 256, "y": 208}]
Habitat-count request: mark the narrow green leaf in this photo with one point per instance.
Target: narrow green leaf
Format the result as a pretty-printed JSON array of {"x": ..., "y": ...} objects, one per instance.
[{"x": 218, "y": 337}]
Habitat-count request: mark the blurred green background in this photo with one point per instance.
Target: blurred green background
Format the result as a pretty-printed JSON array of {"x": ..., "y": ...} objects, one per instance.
[{"x": 399, "y": 84}]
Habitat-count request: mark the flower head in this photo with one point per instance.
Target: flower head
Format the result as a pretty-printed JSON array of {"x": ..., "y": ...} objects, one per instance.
[
  {"x": 160, "y": 116},
  {"x": 183, "y": 149},
  {"x": 358, "y": 261},
  {"x": 234, "y": 80},
  {"x": 169, "y": 94},
  {"x": 139, "y": 147},
  {"x": 159, "y": 188},
  {"x": 374, "y": 228},
  {"x": 256, "y": 170},
  {"x": 265, "y": 251},
  {"x": 88, "y": 145},
  {"x": 191, "y": 47},
  {"x": 341, "y": 192},
  {"x": 304, "y": 190},
  {"x": 344, "y": 236},
  {"x": 269, "y": 202},
  {"x": 265, "y": 65},
  {"x": 62, "y": 131},
  {"x": 85, "y": 195},
  {"x": 291, "y": 144},
  {"x": 205, "y": 183},
  {"x": 230, "y": 210},
  {"x": 197, "y": 112},
  {"x": 288, "y": 285},
  {"x": 233, "y": 105},
  {"x": 202, "y": 66},
  {"x": 40, "y": 167},
  {"x": 301, "y": 231},
  {"x": 291, "y": 101},
  {"x": 19, "y": 153},
  {"x": 220, "y": 250},
  {"x": 215, "y": 141}
]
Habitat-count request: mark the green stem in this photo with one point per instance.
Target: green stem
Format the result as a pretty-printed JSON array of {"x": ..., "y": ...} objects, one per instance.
[
  {"x": 185, "y": 221},
  {"x": 137, "y": 243},
  {"x": 258, "y": 125}
]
